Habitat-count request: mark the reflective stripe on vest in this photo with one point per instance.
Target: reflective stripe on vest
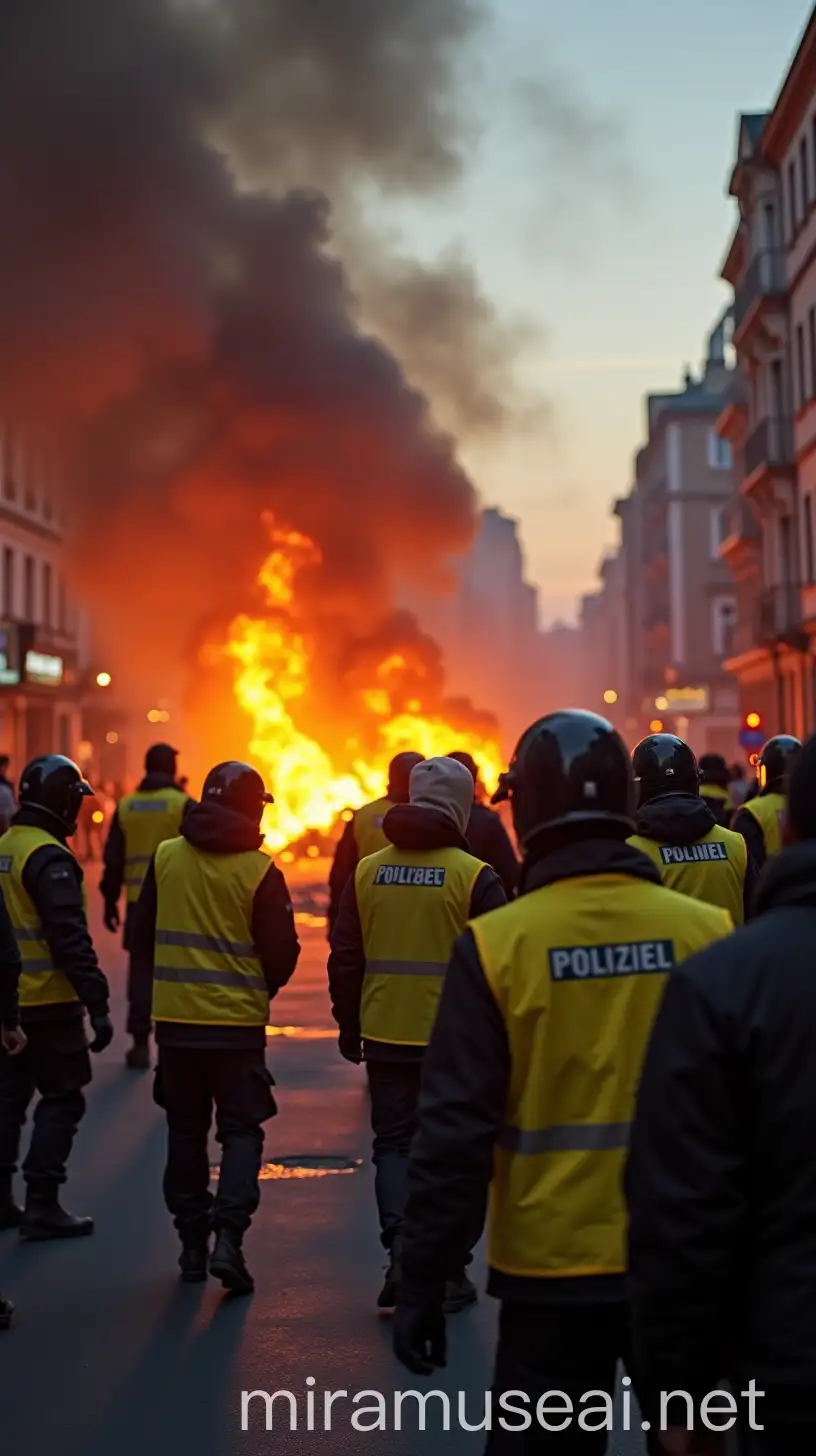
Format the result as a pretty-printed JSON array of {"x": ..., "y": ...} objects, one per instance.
[
  {"x": 711, "y": 869},
  {"x": 368, "y": 831},
  {"x": 41, "y": 984},
  {"x": 207, "y": 971},
  {"x": 768, "y": 810},
  {"x": 146, "y": 819},
  {"x": 577, "y": 970},
  {"x": 412, "y": 907}
]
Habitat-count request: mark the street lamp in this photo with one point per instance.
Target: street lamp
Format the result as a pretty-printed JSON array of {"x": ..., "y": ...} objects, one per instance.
[
  {"x": 103, "y": 679},
  {"x": 656, "y": 726},
  {"x": 662, "y": 704},
  {"x": 610, "y": 696}
]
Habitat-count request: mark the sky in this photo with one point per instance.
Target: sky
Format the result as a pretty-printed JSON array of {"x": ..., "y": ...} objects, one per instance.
[{"x": 607, "y": 242}]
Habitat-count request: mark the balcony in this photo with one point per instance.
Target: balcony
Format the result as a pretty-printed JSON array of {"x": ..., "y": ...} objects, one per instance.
[
  {"x": 733, "y": 414},
  {"x": 769, "y": 447},
  {"x": 765, "y": 279},
  {"x": 779, "y": 615}
]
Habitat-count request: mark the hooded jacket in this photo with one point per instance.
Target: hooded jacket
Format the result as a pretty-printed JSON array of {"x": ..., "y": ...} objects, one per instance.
[
  {"x": 489, "y": 840},
  {"x": 10, "y": 969},
  {"x": 409, "y": 828},
  {"x": 721, "y": 1178},
  {"x": 683, "y": 819},
  {"x": 216, "y": 829}
]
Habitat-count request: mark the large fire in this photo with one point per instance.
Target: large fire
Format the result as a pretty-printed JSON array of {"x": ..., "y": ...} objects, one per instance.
[{"x": 317, "y": 781}]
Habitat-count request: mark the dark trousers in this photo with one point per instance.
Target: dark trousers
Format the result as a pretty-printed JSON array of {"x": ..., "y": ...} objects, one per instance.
[
  {"x": 56, "y": 1064},
  {"x": 570, "y": 1348},
  {"x": 189, "y": 1083},
  {"x": 139, "y": 985},
  {"x": 394, "y": 1088}
]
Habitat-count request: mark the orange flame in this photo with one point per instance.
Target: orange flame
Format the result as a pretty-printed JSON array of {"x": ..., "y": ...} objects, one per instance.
[{"x": 313, "y": 788}]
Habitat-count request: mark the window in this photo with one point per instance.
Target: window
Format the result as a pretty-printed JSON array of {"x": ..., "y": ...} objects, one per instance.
[
  {"x": 808, "y": 562},
  {"x": 28, "y": 589},
  {"x": 718, "y": 526},
  {"x": 792, "y": 211},
  {"x": 812, "y": 332},
  {"x": 719, "y": 452},
  {"x": 804, "y": 173},
  {"x": 8, "y": 581},
  {"x": 48, "y": 591},
  {"x": 800, "y": 365},
  {"x": 723, "y": 618}
]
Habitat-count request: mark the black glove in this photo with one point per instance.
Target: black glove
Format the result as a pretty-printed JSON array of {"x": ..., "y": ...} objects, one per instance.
[
  {"x": 419, "y": 1336},
  {"x": 351, "y": 1046},
  {"x": 103, "y": 1027},
  {"x": 110, "y": 919}
]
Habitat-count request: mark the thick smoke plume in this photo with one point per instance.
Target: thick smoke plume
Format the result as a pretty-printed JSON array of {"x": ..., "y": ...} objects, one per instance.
[{"x": 173, "y": 324}]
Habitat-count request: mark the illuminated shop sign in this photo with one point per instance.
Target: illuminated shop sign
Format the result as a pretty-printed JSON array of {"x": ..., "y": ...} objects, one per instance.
[{"x": 41, "y": 667}]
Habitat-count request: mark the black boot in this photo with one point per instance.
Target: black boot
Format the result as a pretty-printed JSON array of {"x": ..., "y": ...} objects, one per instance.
[
  {"x": 138, "y": 1056},
  {"x": 390, "y": 1291},
  {"x": 6, "y": 1311},
  {"x": 228, "y": 1264},
  {"x": 10, "y": 1212},
  {"x": 45, "y": 1219},
  {"x": 194, "y": 1257}
]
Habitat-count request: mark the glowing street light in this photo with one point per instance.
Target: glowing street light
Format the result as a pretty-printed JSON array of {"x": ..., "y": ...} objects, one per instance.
[
  {"x": 111, "y": 737},
  {"x": 610, "y": 696},
  {"x": 661, "y": 704},
  {"x": 656, "y": 725},
  {"x": 103, "y": 679}
]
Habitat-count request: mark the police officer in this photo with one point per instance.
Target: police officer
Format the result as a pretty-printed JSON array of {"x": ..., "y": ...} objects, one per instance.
[
  {"x": 759, "y": 821},
  {"x": 42, "y": 885},
  {"x": 392, "y": 939},
  {"x": 715, "y": 787},
  {"x": 679, "y": 832},
  {"x": 486, "y": 835},
  {"x": 141, "y": 823},
  {"x": 364, "y": 833},
  {"x": 215, "y": 924},
  {"x": 530, "y": 1078},
  {"x": 12, "y": 1043}
]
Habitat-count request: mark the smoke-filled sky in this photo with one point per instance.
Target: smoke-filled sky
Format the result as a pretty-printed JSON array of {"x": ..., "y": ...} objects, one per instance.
[{"x": 206, "y": 205}]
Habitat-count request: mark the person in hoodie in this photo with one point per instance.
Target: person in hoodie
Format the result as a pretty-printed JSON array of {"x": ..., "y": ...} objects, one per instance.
[
  {"x": 364, "y": 833},
  {"x": 715, "y": 788},
  {"x": 142, "y": 821},
  {"x": 215, "y": 924},
  {"x": 721, "y": 1178},
  {"x": 398, "y": 920},
  {"x": 679, "y": 832},
  {"x": 486, "y": 835}
]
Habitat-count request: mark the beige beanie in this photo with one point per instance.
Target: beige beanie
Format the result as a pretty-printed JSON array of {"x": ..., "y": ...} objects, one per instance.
[{"x": 444, "y": 785}]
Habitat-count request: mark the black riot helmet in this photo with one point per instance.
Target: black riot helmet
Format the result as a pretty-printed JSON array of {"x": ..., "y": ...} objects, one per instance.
[
  {"x": 570, "y": 767},
  {"x": 776, "y": 761},
  {"x": 237, "y": 786},
  {"x": 54, "y": 784},
  {"x": 399, "y": 775},
  {"x": 663, "y": 765}
]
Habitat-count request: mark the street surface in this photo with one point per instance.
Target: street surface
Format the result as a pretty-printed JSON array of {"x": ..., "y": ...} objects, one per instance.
[{"x": 111, "y": 1356}]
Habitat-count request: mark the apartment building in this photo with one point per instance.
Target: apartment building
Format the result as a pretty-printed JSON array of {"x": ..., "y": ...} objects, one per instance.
[
  {"x": 43, "y": 637},
  {"x": 604, "y": 643},
  {"x": 769, "y": 416},
  {"x": 679, "y": 606}
]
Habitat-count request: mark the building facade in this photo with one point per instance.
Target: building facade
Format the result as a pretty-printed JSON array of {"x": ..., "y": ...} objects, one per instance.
[
  {"x": 604, "y": 643},
  {"x": 769, "y": 416},
  {"x": 665, "y": 616},
  {"x": 43, "y": 634}
]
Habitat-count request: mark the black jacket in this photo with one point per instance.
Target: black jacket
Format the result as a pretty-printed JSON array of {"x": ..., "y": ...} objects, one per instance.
[
  {"x": 745, "y": 824},
  {"x": 683, "y": 819},
  {"x": 346, "y": 859},
  {"x": 489, "y": 840},
  {"x": 10, "y": 966},
  {"x": 463, "y": 1104},
  {"x": 408, "y": 828},
  {"x": 721, "y": 1178},
  {"x": 215, "y": 829},
  {"x": 54, "y": 880},
  {"x": 113, "y": 858}
]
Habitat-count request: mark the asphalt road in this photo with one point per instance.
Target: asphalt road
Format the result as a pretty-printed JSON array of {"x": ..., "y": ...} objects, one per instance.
[{"x": 110, "y": 1356}]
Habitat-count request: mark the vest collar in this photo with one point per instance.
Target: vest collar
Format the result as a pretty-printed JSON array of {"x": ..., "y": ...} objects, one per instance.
[{"x": 588, "y": 857}]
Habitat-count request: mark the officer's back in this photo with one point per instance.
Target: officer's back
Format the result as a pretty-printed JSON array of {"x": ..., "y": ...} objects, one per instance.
[
  {"x": 680, "y": 833},
  {"x": 486, "y": 835},
  {"x": 759, "y": 820},
  {"x": 364, "y": 833}
]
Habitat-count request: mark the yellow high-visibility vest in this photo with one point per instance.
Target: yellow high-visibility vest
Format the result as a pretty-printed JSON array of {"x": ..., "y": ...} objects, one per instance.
[
  {"x": 368, "y": 831},
  {"x": 768, "y": 810},
  {"x": 578, "y": 970},
  {"x": 716, "y": 791},
  {"x": 41, "y": 983},
  {"x": 207, "y": 971},
  {"x": 146, "y": 819},
  {"x": 412, "y": 905},
  {"x": 711, "y": 869}
]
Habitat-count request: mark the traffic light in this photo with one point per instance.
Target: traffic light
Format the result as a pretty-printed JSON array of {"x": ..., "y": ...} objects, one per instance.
[
  {"x": 752, "y": 735},
  {"x": 753, "y": 720}
]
